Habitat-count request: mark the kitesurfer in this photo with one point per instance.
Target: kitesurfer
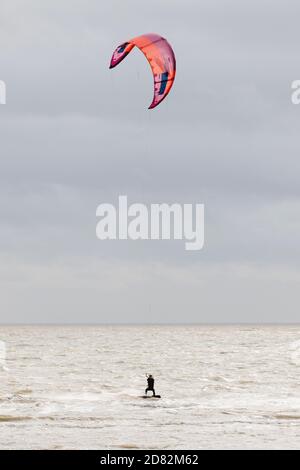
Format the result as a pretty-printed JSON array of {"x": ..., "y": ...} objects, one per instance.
[{"x": 150, "y": 387}]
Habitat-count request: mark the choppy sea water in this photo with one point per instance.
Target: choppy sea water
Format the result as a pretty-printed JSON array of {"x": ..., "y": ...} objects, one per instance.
[{"x": 72, "y": 387}]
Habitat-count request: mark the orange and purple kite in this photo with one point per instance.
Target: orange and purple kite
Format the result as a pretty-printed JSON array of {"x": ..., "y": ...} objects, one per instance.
[{"x": 161, "y": 58}]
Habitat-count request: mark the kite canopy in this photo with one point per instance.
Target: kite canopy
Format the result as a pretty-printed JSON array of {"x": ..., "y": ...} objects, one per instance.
[{"x": 161, "y": 58}]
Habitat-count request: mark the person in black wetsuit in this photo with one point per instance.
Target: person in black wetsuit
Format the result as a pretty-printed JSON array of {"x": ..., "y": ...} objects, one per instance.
[{"x": 150, "y": 387}]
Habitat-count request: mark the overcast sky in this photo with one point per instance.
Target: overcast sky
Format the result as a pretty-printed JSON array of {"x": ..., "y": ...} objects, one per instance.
[{"x": 74, "y": 134}]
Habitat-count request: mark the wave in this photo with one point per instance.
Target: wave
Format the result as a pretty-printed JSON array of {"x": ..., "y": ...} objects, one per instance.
[
  {"x": 128, "y": 446},
  {"x": 9, "y": 418},
  {"x": 287, "y": 417},
  {"x": 23, "y": 391}
]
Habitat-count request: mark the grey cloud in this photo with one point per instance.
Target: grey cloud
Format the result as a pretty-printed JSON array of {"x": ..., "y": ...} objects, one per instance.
[{"x": 74, "y": 134}]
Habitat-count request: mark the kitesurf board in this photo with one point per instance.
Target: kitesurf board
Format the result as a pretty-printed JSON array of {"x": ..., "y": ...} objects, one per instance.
[{"x": 150, "y": 396}]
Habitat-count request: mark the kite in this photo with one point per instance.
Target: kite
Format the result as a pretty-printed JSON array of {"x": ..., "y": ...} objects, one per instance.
[{"x": 161, "y": 58}]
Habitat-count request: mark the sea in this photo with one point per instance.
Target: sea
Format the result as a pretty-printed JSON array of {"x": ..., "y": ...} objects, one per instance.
[{"x": 81, "y": 387}]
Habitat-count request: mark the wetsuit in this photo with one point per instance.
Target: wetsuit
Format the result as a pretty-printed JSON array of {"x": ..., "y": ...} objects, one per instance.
[{"x": 150, "y": 387}]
